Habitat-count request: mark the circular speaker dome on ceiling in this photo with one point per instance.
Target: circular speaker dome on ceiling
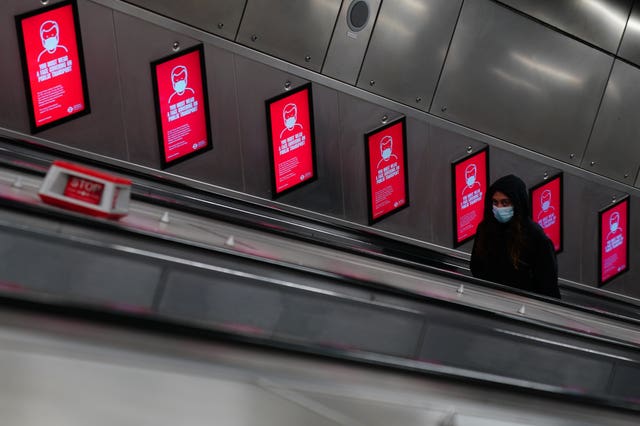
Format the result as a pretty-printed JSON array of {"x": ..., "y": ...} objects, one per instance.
[{"x": 358, "y": 15}]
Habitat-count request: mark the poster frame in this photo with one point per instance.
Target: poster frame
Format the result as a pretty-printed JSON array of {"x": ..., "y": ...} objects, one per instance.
[
  {"x": 164, "y": 164},
  {"x": 312, "y": 141},
  {"x": 626, "y": 199},
  {"x": 33, "y": 127},
  {"x": 405, "y": 169},
  {"x": 454, "y": 197},
  {"x": 539, "y": 185}
]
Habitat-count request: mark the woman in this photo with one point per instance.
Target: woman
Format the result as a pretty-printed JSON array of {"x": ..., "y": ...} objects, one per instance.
[{"x": 510, "y": 248}]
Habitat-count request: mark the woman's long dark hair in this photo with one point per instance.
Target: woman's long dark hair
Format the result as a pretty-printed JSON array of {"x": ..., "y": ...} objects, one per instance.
[{"x": 515, "y": 189}]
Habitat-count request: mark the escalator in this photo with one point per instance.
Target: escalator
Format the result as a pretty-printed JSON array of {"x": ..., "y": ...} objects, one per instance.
[{"x": 195, "y": 263}]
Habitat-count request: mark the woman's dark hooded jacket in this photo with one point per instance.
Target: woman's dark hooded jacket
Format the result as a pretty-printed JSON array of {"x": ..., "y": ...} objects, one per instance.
[{"x": 498, "y": 245}]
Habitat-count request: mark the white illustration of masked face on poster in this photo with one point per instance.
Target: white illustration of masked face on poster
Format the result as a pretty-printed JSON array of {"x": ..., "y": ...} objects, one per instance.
[
  {"x": 470, "y": 174},
  {"x": 386, "y": 150},
  {"x": 50, "y": 38},
  {"x": 290, "y": 115},
  {"x": 179, "y": 78},
  {"x": 180, "y": 81},
  {"x": 290, "y": 119},
  {"x": 386, "y": 147},
  {"x": 49, "y": 34},
  {"x": 545, "y": 199},
  {"x": 614, "y": 222}
]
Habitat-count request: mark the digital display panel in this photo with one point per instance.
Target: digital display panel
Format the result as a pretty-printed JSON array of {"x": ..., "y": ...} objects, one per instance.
[
  {"x": 387, "y": 183},
  {"x": 84, "y": 190},
  {"x": 182, "y": 107},
  {"x": 613, "y": 253},
  {"x": 469, "y": 177},
  {"x": 546, "y": 208},
  {"x": 52, "y": 65},
  {"x": 291, "y": 143}
]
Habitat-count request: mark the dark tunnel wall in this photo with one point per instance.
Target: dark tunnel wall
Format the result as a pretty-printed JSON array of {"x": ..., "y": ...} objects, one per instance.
[{"x": 545, "y": 90}]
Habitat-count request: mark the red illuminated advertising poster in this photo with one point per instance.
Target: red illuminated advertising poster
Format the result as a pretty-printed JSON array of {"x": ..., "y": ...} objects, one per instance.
[
  {"x": 613, "y": 253},
  {"x": 182, "y": 107},
  {"x": 386, "y": 153},
  {"x": 53, "y": 65},
  {"x": 290, "y": 122},
  {"x": 469, "y": 177},
  {"x": 546, "y": 208}
]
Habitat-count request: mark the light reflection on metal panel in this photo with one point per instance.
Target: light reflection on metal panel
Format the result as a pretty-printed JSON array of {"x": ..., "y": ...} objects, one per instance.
[
  {"x": 220, "y": 17},
  {"x": 357, "y": 118},
  {"x": 139, "y": 43},
  {"x": 444, "y": 148},
  {"x": 102, "y": 131},
  {"x": 256, "y": 83},
  {"x": 348, "y": 44},
  {"x": 613, "y": 149},
  {"x": 630, "y": 46},
  {"x": 599, "y": 22},
  {"x": 326, "y": 194},
  {"x": 223, "y": 165},
  {"x": 297, "y": 31},
  {"x": 407, "y": 49},
  {"x": 517, "y": 80}
]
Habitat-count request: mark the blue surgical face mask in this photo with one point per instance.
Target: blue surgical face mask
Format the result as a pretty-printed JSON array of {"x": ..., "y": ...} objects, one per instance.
[{"x": 503, "y": 214}]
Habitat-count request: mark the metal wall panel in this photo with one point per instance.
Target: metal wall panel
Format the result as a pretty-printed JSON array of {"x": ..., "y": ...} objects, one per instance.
[
  {"x": 517, "y": 80},
  {"x": 348, "y": 45},
  {"x": 583, "y": 200},
  {"x": 220, "y": 17},
  {"x": 445, "y": 147},
  {"x": 357, "y": 118},
  {"x": 614, "y": 146},
  {"x": 223, "y": 165},
  {"x": 297, "y": 31},
  {"x": 599, "y": 22},
  {"x": 140, "y": 43},
  {"x": 627, "y": 283},
  {"x": 102, "y": 131},
  {"x": 407, "y": 49},
  {"x": 630, "y": 45},
  {"x": 255, "y": 84}
]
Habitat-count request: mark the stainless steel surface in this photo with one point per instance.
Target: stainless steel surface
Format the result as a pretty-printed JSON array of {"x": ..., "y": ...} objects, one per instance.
[
  {"x": 257, "y": 83},
  {"x": 224, "y": 164},
  {"x": 237, "y": 162},
  {"x": 630, "y": 45},
  {"x": 69, "y": 373},
  {"x": 611, "y": 150},
  {"x": 356, "y": 119},
  {"x": 102, "y": 131},
  {"x": 9, "y": 105},
  {"x": 207, "y": 233},
  {"x": 599, "y": 22},
  {"x": 140, "y": 43},
  {"x": 347, "y": 47},
  {"x": 297, "y": 31},
  {"x": 514, "y": 79},
  {"x": 220, "y": 17},
  {"x": 408, "y": 48}
]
